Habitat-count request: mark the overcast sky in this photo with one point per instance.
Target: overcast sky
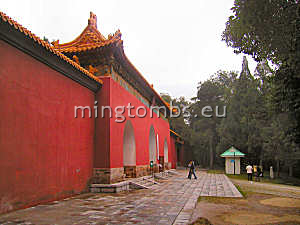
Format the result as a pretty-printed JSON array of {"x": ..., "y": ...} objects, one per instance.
[{"x": 174, "y": 44}]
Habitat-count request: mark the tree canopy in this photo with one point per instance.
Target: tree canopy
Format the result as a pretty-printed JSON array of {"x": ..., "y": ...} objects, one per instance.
[
  {"x": 264, "y": 29},
  {"x": 262, "y": 109},
  {"x": 242, "y": 115}
]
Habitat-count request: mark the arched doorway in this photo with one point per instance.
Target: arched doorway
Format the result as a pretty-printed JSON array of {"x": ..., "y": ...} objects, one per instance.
[
  {"x": 166, "y": 154},
  {"x": 129, "y": 151},
  {"x": 152, "y": 145},
  {"x": 166, "y": 151},
  {"x": 157, "y": 146}
]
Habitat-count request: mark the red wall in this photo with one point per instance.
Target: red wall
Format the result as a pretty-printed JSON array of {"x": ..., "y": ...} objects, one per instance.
[
  {"x": 102, "y": 127},
  {"x": 121, "y": 97},
  {"x": 45, "y": 152}
]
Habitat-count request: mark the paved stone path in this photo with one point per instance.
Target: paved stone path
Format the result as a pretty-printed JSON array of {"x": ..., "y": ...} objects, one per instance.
[
  {"x": 214, "y": 185},
  {"x": 171, "y": 202},
  {"x": 218, "y": 185}
]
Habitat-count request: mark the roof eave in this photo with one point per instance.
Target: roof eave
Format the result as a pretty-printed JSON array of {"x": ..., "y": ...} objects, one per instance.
[
  {"x": 14, "y": 34},
  {"x": 231, "y": 156}
]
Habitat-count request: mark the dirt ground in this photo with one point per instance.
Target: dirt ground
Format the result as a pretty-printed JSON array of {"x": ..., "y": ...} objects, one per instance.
[{"x": 255, "y": 208}]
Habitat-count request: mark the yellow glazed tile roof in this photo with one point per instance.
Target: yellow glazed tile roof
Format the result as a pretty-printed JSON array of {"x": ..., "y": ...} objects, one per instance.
[
  {"x": 89, "y": 39},
  {"x": 46, "y": 45}
]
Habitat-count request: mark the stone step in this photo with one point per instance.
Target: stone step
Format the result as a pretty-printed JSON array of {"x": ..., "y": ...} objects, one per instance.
[
  {"x": 150, "y": 180},
  {"x": 145, "y": 182},
  {"x": 162, "y": 175},
  {"x": 134, "y": 185},
  {"x": 110, "y": 188},
  {"x": 172, "y": 172}
]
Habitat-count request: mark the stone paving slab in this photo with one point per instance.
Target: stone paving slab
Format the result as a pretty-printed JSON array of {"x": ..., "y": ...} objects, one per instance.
[
  {"x": 218, "y": 185},
  {"x": 170, "y": 202},
  {"x": 213, "y": 185}
]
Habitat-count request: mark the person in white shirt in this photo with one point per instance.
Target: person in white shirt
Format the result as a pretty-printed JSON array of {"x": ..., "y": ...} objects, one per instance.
[{"x": 249, "y": 169}]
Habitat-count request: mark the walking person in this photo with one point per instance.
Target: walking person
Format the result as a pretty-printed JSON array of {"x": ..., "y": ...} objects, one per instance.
[
  {"x": 189, "y": 166},
  {"x": 192, "y": 170},
  {"x": 258, "y": 172},
  {"x": 249, "y": 172}
]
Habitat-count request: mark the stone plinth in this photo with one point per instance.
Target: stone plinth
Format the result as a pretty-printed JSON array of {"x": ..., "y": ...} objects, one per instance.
[
  {"x": 167, "y": 165},
  {"x": 110, "y": 188},
  {"x": 107, "y": 175},
  {"x": 142, "y": 170},
  {"x": 130, "y": 171}
]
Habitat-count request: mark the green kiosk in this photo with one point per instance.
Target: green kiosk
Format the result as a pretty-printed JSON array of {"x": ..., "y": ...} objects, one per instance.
[{"x": 232, "y": 160}]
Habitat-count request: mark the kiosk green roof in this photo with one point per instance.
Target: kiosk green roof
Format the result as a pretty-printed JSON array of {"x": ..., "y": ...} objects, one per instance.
[{"x": 232, "y": 152}]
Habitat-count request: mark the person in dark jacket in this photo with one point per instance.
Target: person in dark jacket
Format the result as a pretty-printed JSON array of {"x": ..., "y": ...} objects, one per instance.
[{"x": 192, "y": 170}]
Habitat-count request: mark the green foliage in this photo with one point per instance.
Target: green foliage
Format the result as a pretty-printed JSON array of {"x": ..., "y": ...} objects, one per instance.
[
  {"x": 263, "y": 29},
  {"x": 286, "y": 97},
  {"x": 269, "y": 30},
  {"x": 216, "y": 171},
  {"x": 179, "y": 124},
  {"x": 201, "y": 221},
  {"x": 263, "y": 109},
  {"x": 252, "y": 124},
  {"x": 244, "y": 193},
  {"x": 204, "y": 137},
  {"x": 245, "y": 114}
]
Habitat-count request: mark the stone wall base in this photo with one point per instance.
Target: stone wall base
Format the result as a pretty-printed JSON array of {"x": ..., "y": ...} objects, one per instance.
[
  {"x": 107, "y": 175},
  {"x": 110, "y": 188},
  {"x": 143, "y": 170},
  {"x": 130, "y": 171},
  {"x": 156, "y": 168},
  {"x": 139, "y": 171},
  {"x": 114, "y": 175},
  {"x": 167, "y": 165}
]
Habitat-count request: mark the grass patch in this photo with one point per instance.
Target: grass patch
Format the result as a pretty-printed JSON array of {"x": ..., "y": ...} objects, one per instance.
[
  {"x": 238, "y": 176},
  {"x": 287, "y": 181},
  {"x": 243, "y": 192},
  {"x": 281, "y": 180},
  {"x": 216, "y": 171},
  {"x": 218, "y": 200},
  {"x": 201, "y": 221}
]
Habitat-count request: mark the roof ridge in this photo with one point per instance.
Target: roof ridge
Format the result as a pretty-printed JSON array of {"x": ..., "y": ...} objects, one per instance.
[
  {"x": 89, "y": 38},
  {"x": 78, "y": 44},
  {"x": 46, "y": 45},
  {"x": 232, "y": 151}
]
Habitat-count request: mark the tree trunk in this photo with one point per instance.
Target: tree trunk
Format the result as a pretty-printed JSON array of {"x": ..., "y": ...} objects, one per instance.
[
  {"x": 211, "y": 151},
  {"x": 277, "y": 167},
  {"x": 261, "y": 162},
  {"x": 291, "y": 170}
]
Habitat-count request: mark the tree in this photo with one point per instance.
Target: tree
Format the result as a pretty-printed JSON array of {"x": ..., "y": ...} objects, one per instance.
[
  {"x": 263, "y": 29},
  {"x": 270, "y": 30},
  {"x": 252, "y": 123},
  {"x": 179, "y": 124},
  {"x": 277, "y": 144},
  {"x": 241, "y": 128},
  {"x": 203, "y": 123}
]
